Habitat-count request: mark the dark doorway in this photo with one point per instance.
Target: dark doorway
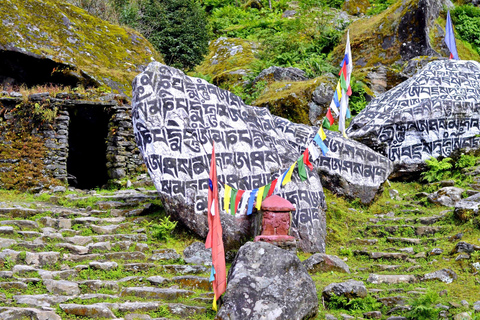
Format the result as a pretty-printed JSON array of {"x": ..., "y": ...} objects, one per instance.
[{"x": 86, "y": 163}]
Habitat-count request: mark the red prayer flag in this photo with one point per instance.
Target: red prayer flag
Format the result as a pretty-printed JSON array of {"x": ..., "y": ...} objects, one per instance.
[
  {"x": 451, "y": 55},
  {"x": 272, "y": 188},
  {"x": 330, "y": 116},
  {"x": 306, "y": 160},
  {"x": 214, "y": 237},
  {"x": 343, "y": 71},
  {"x": 238, "y": 198},
  {"x": 349, "y": 91}
]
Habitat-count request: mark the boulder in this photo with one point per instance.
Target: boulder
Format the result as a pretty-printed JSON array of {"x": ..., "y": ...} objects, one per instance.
[
  {"x": 467, "y": 208},
  {"x": 430, "y": 115},
  {"x": 198, "y": 254},
  {"x": 464, "y": 247},
  {"x": 275, "y": 73},
  {"x": 68, "y": 46},
  {"x": 266, "y": 282},
  {"x": 228, "y": 61},
  {"x": 351, "y": 289},
  {"x": 444, "y": 275},
  {"x": 320, "y": 262},
  {"x": 446, "y": 196},
  {"x": 176, "y": 118},
  {"x": 396, "y": 35}
]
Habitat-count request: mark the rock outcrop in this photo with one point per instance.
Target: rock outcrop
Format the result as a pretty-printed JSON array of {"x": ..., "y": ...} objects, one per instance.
[
  {"x": 176, "y": 119},
  {"x": 63, "y": 44},
  {"x": 430, "y": 115},
  {"x": 266, "y": 282}
]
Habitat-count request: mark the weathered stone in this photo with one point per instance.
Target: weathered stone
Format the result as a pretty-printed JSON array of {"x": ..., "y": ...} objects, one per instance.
[
  {"x": 446, "y": 196},
  {"x": 392, "y": 301},
  {"x": 109, "y": 265},
  {"x": 6, "y": 230},
  {"x": 191, "y": 210},
  {"x": 157, "y": 280},
  {"x": 464, "y": 247},
  {"x": 373, "y": 315},
  {"x": 79, "y": 240},
  {"x": 164, "y": 254},
  {"x": 55, "y": 275},
  {"x": 266, "y": 282},
  {"x": 13, "y": 285},
  {"x": 193, "y": 282},
  {"x": 91, "y": 311},
  {"x": 41, "y": 300},
  {"x": 62, "y": 287},
  {"x": 356, "y": 7},
  {"x": 351, "y": 289},
  {"x": 99, "y": 246},
  {"x": 185, "y": 311},
  {"x": 404, "y": 240},
  {"x": 280, "y": 74},
  {"x": 388, "y": 255},
  {"x": 155, "y": 293},
  {"x": 380, "y": 124},
  {"x": 135, "y": 255},
  {"x": 444, "y": 275},
  {"x": 198, "y": 254},
  {"x": 95, "y": 285},
  {"x": 27, "y": 313},
  {"x": 5, "y": 243},
  {"x": 182, "y": 269},
  {"x": 72, "y": 248},
  {"x": 320, "y": 262},
  {"x": 20, "y": 223},
  {"x": 462, "y": 316},
  {"x": 435, "y": 252},
  {"x": 391, "y": 279},
  {"x": 42, "y": 259},
  {"x": 104, "y": 229}
]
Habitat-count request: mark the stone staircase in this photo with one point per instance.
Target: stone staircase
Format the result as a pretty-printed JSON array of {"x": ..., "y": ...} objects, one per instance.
[
  {"x": 75, "y": 258},
  {"x": 403, "y": 253}
]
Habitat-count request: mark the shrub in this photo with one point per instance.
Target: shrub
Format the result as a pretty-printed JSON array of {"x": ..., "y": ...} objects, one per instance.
[
  {"x": 438, "y": 170},
  {"x": 163, "y": 230},
  {"x": 423, "y": 307},
  {"x": 466, "y": 161}
]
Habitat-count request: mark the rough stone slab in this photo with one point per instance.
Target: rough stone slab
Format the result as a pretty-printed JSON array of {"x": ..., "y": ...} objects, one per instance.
[
  {"x": 27, "y": 313},
  {"x": 42, "y": 259},
  {"x": 13, "y": 285},
  {"x": 29, "y": 234},
  {"x": 351, "y": 289},
  {"x": 72, "y": 248},
  {"x": 54, "y": 275},
  {"x": 7, "y": 230},
  {"x": 5, "y": 243},
  {"x": 138, "y": 306},
  {"x": 24, "y": 213},
  {"x": 105, "y": 229},
  {"x": 135, "y": 255},
  {"x": 192, "y": 282},
  {"x": 198, "y": 254},
  {"x": 62, "y": 287},
  {"x": 388, "y": 255},
  {"x": 164, "y": 254},
  {"x": 391, "y": 279},
  {"x": 393, "y": 301},
  {"x": 91, "y": 311},
  {"x": 27, "y": 224},
  {"x": 41, "y": 300},
  {"x": 99, "y": 246},
  {"x": 155, "y": 293},
  {"x": 109, "y": 265},
  {"x": 95, "y": 285},
  {"x": 320, "y": 262},
  {"x": 138, "y": 237},
  {"x": 138, "y": 267},
  {"x": 79, "y": 240},
  {"x": 444, "y": 275},
  {"x": 83, "y": 257},
  {"x": 182, "y": 269},
  {"x": 404, "y": 240},
  {"x": 182, "y": 310}
]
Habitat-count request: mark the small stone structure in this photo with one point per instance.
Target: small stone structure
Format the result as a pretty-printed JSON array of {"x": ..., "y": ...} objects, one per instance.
[
  {"x": 89, "y": 142},
  {"x": 273, "y": 223}
]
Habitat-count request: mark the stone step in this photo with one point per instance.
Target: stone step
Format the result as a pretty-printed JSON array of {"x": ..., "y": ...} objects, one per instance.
[
  {"x": 391, "y": 278},
  {"x": 123, "y": 256},
  {"x": 154, "y": 293},
  {"x": 419, "y": 220},
  {"x": 22, "y": 224},
  {"x": 171, "y": 269},
  {"x": 382, "y": 230}
]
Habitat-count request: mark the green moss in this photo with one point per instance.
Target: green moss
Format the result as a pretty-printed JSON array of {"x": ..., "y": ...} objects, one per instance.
[
  {"x": 228, "y": 60},
  {"x": 110, "y": 54},
  {"x": 289, "y": 99}
]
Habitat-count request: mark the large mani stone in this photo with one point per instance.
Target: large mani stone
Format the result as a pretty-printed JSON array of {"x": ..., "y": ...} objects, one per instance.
[
  {"x": 176, "y": 119},
  {"x": 430, "y": 115},
  {"x": 266, "y": 282}
]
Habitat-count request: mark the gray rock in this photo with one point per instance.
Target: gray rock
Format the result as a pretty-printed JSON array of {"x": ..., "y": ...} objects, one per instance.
[
  {"x": 99, "y": 246},
  {"x": 464, "y": 247},
  {"x": 198, "y": 254},
  {"x": 391, "y": 279},
  {"x": 435, "y": 252},
  {"x": 447, "y": 196},
  {"x": 157, "y": 280},
  {"x": 5, "y": 243},
  {"x": 412, "y": 123},
  {"x": 280, "y": 74},
  {"x": 42, "y": 259},
  {"x": 462, "y": 256},
  {"x": 72, "y": 248},
  {"x": 373, "y": 315},
  {"x": 266, "y": 282},
  {"x": 109, "y": 265},
  {"x": 350, "y": 289},
  {"x": 27, "y": 313},
  {"x": 462, "y": 316},
  {"x": 465, "y": 303},
  {"x": 164, "y": 254},
  {"x": 320, "y": 262},
  {"x": 91, "y": 311},
  {"x": 40, "y": 300},
  {"x": 62, "y": 287},
  {"x": 476, "y": 306},
  {"x": 155, "y": 293},
  {"x": 444, "y": 275}
]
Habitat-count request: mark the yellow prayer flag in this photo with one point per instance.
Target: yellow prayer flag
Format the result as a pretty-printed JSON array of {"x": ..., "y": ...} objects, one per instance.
[
  {"x": 339, "y": 91},
  {"x": 214, "y": 305},
  {"x": 288, "y": 176},
  {"x": 226, "y": 198},
  {"x": 258, "y": 204},
  {"x": 322, "y": 134}
]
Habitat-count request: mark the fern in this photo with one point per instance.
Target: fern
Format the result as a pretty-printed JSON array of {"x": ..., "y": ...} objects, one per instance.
[{"x": 437, "y": 170}]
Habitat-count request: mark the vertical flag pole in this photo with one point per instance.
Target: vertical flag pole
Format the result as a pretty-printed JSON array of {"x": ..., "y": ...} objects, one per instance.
[{"x": 218, "y": 275}]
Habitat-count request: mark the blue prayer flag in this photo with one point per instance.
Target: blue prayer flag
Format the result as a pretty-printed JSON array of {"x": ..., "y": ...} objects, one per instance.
[
  {"x": 335, "y": 99},
  {"x": 450, "y": 38},
  {"x": 251, "y": 200},
  {"x": 212, "y": 275},
  {"x": 348, "y": 113},
  {"x": 320, "y": 143}
]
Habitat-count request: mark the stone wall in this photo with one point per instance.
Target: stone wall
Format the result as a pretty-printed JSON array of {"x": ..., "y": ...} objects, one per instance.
[{"x": 19, "y": 116}]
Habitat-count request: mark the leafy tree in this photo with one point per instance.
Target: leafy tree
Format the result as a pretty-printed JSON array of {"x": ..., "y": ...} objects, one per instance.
[{"x": 176, "y": 28}]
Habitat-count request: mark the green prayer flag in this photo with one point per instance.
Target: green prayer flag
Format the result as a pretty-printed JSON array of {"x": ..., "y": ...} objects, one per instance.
[
  {"x": 326, "y": 123},
  {"x": 265, "y": 191},
  {"x": 232, "y": 201},
  {"x": 302, "y": 172},
  {"x": 343, "y": 83}
]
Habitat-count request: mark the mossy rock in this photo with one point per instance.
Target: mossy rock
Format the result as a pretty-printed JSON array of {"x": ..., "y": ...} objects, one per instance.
[
  {"x": 356, "y": 7},
  {"x": 86, "y": 47},
  {"x": 228, "y": 61},
  {"x": 292, "y": 99},
  {"x": 394, "y": 36}
]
